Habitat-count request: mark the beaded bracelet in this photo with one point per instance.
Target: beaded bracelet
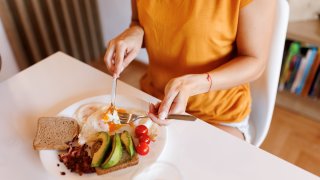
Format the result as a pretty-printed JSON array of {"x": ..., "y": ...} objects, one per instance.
[{"x": 210, "y": 80}]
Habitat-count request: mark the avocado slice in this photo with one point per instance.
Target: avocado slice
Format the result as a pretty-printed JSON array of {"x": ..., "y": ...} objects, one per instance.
[
  {"x": 126, "y": 139},
  {"x": 99, "y": 156},
  {"x": 115, "y": 156}
]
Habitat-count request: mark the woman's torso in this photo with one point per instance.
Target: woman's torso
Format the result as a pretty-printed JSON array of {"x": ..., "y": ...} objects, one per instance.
[{"x": 193, "y": 36}]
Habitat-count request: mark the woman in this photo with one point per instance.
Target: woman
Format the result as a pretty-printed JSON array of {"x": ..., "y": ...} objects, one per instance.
[{"x": 202, "y": 53}]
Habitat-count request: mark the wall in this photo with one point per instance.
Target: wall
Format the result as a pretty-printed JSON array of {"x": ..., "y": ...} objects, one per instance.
[
  {"x": 304, "y": 9},
  {"x": 9, "y": 65},
  {"x": 115, "y": 16}
]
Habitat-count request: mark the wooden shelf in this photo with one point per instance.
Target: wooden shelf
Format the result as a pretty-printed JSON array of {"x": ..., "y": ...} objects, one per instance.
[
  {"x": 303, "y": 105},
  {"x": 305, "y": 31}
]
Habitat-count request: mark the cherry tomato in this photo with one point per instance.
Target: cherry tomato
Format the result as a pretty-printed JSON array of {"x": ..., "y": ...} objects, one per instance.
[
  {"x": 144, "y": 138},
  {"x": 142, "y": 148},
  {"x": 141, "y": 129}
]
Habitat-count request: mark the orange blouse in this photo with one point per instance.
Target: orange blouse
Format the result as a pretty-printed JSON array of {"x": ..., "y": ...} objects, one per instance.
[{"x": 193, "y": 36}]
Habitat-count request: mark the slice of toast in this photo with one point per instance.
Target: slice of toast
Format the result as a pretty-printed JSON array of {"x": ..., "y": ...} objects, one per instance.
[
  {"x": 54, "y": 133},
  {"x": 124, "y": 163}
]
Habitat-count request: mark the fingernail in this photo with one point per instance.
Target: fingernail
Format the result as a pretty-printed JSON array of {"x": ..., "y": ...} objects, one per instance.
[{"x": 163, "y": 115}]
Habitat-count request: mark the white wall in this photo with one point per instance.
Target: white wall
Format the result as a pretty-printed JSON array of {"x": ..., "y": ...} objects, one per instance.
[
  {"x": 9, "y": 65},
  {"x": 115, "y": 16},
  {"x": 304, "y": 9}
]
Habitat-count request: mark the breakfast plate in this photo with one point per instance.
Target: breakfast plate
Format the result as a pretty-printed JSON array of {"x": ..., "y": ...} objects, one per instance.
[{"x": 50, "y": 160}]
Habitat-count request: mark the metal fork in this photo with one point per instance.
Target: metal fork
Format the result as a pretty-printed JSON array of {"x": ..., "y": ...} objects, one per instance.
[{"x": 126, "y": 118}]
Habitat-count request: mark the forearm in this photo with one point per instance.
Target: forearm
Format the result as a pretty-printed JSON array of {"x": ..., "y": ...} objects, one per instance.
[
  {"x": 240, "y": 70},
  {"x": 136, "y": 29},
  {"x": 135, "y": 23}
]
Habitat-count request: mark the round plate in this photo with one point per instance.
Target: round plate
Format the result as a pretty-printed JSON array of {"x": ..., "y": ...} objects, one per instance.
[{"x": 49, "y": 158}]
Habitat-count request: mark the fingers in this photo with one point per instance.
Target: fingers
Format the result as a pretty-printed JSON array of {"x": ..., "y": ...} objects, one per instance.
[
  {"x": 154, "y": 108},
  {"x": 109, "y": 56},
  {"x": 151, "y": 108},
  {"x": 179, "y": 104},
  {"x": 129, "y": 57},
  {"x": 153, "y": 113},
  {"x": 115, "y": 55},
  {"x": 157, "y": 106},
  {"x": 119, "y": 57},
  {"x": 167, "y": 102},
  {"x": 155, "y": 119}
]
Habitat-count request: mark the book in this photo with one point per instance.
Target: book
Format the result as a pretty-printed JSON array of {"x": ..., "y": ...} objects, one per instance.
[
  {"x": 315, "y": 88},
  {"x": 294, "y": 66},
  {"x": 293, "y": 50},
  {"x": 299, "y": 74},
  {"x": 311, "y": 76},
  {"x": 311, "y": 55},
  {"x": 304, "y": 53}
]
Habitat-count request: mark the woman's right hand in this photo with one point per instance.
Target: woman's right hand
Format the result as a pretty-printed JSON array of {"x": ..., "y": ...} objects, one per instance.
[{"x": 123, "y": 49}]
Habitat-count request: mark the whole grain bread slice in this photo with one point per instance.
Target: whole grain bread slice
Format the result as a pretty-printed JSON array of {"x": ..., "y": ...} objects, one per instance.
[
  {"x": 53, "y": 133},
  {"x": 125, "y": 162}
]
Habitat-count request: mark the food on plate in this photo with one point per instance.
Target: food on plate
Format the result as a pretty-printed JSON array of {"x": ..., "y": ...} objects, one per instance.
[
  {"x": 125, "y": 162},
  {"x": 55, "y": 133},
  {"x": 141, "y": 130},
  {"x": 95, "y": 140},
  {"x": 144, "y": 138},
  {"x": 126, "y": 139},
  {"x": 102, "y": 120},
  {"x": 77, "y": 159},
  {"x": 116, "y": 153},
  {"x": 86, "y": 110},
  {"x": 142, "y": 148},
  {"x": 116, "y": 157},
  {"x": 99, "y": 156}
]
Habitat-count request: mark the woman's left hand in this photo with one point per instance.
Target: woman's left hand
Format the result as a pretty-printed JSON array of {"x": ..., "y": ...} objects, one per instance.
[{"x": 177, "y": 93}]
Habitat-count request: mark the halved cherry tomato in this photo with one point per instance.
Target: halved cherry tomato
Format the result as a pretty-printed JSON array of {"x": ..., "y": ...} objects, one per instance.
[
  {"x": 141, "y": 129},
  {"x": 142, "y": 148},
  {"x": 144, "y": 138}
]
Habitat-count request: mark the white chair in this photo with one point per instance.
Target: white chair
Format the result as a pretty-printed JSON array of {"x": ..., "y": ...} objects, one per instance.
[{"x": 264, "y": 90}]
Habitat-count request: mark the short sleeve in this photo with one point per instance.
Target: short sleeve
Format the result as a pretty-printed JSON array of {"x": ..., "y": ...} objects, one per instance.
[{"x": 243, "y": 3}]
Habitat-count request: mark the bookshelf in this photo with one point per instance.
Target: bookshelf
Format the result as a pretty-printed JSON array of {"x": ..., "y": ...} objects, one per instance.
[
  {"x": 303, "y": 105},
  {"x": 307, "y": 32}
]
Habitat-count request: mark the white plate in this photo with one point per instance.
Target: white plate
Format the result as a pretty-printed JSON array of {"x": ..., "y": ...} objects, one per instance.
[{"x": 49, "y": 158}]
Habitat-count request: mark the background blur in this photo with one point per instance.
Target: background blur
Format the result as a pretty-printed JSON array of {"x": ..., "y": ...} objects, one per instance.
[{"x": 31, "y": 30}]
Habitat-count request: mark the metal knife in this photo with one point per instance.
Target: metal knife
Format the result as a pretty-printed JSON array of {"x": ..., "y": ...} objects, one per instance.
[{"x": 113, "y": 92}]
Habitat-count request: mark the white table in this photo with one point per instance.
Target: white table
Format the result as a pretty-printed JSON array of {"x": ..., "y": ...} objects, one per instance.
[{"x": 197, "y": 149}]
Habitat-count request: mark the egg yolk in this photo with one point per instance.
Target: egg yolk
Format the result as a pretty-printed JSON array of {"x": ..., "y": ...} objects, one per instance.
[
  {"x": 114, "y": 127},
  {"x": 121, "y": 110},
  {"x": 105, "y": 117}
]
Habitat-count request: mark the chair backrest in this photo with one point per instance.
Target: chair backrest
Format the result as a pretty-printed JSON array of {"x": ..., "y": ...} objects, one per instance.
[{"x": 264, "y": 90}]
